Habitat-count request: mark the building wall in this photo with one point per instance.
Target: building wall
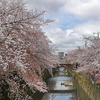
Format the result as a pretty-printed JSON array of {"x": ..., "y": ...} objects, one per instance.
[{"x": 61, "y": 55}]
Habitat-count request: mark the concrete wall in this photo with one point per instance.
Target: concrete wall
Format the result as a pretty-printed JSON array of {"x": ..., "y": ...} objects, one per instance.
[{"x": 87, "y": 89}]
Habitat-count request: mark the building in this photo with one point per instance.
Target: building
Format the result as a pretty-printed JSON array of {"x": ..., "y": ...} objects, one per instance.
[{"x": 61, "y": 55}]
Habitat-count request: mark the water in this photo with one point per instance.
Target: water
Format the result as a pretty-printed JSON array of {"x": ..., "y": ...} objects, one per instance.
[
  {"x": 57, "y": 88},
  {"x": 60, "y": 96},
  {"x": 55, "y": 83}
]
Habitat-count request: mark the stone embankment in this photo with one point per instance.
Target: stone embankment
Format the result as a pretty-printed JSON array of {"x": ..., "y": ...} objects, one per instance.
[{"x": 87, "y": 88}]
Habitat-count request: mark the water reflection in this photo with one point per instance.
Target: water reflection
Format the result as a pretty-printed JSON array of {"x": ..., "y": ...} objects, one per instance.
[
  {"x": 55, "y": 83},
  {"x": 61, "y": 69},
  {"x": 62, "y": 72},
  {"x": 57, "y": 89},
  {"x": 60, "y": 96}
]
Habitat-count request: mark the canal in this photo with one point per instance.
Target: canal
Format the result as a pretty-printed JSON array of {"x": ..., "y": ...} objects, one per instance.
[{"x": 61, "y": 86}]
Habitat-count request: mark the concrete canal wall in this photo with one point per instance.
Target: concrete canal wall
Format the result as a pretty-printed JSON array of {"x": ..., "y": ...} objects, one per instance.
[{"x": 87, "y": 90}]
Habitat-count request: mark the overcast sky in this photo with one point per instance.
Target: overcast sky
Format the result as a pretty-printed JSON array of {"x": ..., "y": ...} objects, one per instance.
[{"x": 73, "y": 19}]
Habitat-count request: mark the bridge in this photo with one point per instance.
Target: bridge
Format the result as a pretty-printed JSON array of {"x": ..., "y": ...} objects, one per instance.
[{"x": 63, "y": 63}]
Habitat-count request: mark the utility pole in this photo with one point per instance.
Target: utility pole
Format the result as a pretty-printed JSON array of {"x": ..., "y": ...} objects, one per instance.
[
  {"x": 86, "y": 44},
  {"x": 97, "y": 34}
]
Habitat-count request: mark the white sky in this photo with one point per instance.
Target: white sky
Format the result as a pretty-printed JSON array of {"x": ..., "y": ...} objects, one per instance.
[{"x": 73, "y": 19}]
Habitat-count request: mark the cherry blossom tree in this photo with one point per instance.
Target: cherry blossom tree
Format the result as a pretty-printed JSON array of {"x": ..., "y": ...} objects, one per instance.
[
  {"x": 89, "y": 59},
  {"x": 24, "y": 48}
]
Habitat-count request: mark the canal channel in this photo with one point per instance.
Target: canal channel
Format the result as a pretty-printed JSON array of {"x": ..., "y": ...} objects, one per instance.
[{"x": 61, "y": 86}]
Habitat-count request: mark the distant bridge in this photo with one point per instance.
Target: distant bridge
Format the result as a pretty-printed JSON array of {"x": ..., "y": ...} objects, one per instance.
[
  {"x": 62, "y": 63},
  {"x": 66, "y": 64}
]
